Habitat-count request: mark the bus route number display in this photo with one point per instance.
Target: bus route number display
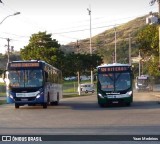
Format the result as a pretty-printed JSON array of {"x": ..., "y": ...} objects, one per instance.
[
  {"x": 113, "y": 69},
  {"x": 16, "y": 65}
]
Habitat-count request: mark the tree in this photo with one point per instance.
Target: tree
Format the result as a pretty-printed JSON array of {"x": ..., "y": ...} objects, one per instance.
[
  {"x": 80, "y": 62},
  {"x": 147, "y": 40},
  {"x": 42, "y": 47}
]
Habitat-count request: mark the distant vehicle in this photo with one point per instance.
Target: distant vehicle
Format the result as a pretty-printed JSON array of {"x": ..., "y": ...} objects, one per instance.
[
  {"x": 85, "y": 77},
  {"x": 70, "y": 78},
  {"x": 87, "y": 87},
  {"x": 143, "y": 83}
]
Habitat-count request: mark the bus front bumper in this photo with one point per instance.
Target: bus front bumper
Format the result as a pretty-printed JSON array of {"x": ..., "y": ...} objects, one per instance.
[
  {"x": 26, "y": 100},
  {"x": 120, "y": 98}
]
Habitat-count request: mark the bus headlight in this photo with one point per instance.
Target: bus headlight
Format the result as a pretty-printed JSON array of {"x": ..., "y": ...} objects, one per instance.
[
  {"x": 39, "y": 95},
  {"x": 11, "y": 96},
  {"x": 129, "y": 93},
  {"x": 100, "y": 95}
]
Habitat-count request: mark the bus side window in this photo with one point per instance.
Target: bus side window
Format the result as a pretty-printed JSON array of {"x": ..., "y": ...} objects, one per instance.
[{"x": 46, "y": 76}]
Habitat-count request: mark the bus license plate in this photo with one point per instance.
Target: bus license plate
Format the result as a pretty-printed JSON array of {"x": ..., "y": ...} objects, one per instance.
[
  {"x": 24, "y": 99},
  {"x": 115, "y": 102}
]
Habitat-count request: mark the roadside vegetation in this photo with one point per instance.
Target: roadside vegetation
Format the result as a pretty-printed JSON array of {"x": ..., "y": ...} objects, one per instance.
[
  {"x": 2, "y": 102},
  {"x": 2, "y": 89}
]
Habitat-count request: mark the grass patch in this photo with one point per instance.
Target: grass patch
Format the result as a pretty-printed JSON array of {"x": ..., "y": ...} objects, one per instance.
[
  {"x": 2, "y": 102},
  {"x": 69, "y": 90},
  {"x": 2, "y": 94},
  {"x": 2, "y": 84}
]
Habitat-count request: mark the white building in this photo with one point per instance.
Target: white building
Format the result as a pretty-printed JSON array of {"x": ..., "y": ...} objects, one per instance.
[{"x": 151, "y": 19}]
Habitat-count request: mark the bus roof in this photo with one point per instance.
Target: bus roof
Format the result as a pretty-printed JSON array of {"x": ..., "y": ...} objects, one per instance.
[
  {"x": 26, "y": 61},
  {"x": 113, "y": 65}
]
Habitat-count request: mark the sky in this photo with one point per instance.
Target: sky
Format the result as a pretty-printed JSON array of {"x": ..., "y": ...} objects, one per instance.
[{"x": 67, "y": 20}]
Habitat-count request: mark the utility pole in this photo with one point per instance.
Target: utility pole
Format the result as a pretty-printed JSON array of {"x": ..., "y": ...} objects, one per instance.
[
  {"x": 89, "y": 12},
  {"x": 115, "y": 50},
  {"x": 130, "y": 49},
  {"x": 78, "y": 73},
  {"x": 139, "y": 63},
  {"x": 8, "y": 49}
]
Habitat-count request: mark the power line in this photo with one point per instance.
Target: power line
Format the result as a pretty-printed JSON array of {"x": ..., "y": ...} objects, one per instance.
[
  {"x": 16, "y": 35},
  {"x": 2, "y": 38},
  {"x": 88, "y": 29}
]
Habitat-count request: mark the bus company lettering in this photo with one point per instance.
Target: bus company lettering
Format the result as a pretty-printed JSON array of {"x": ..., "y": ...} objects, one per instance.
[
  {"x": 24, "y": 65},
  {"x": 111, "y": 69}
]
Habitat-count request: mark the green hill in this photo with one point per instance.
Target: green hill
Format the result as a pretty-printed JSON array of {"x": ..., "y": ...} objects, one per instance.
[{"x": 104, "y": 43}]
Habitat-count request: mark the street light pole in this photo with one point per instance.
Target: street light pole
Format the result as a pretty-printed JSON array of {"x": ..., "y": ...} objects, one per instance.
[
  {"x": 17, "y": 13},
  {"x": 8, "y": 40},
  {"x": 8, "y": 50},
  {"x": 130, "y": 61},
  {"x": 115, "y": 50},
  {"x": 90, "y": 45}
]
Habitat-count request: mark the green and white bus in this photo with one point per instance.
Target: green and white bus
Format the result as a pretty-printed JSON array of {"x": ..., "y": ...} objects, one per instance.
[
  {"x": 33, "y": 82},
  {"x": 114, "y": 84}
]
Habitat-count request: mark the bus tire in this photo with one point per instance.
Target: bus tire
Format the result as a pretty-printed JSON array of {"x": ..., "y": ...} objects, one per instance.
[
  {"x": 16, "y": 106},
  {"x": 102, "y": 105},
  {"x": 128, "y": 104},
  {"x": 45, "y": 105},
  {"x": 56, "y": 102},
  {"x": 48, "y": 99}
]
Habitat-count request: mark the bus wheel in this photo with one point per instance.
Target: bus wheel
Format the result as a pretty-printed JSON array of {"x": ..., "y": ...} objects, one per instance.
[
  {"x": 102, "y": 105},
  {"x": 45, "y": 105},
  {"x": 48, "y": 99},
  {"x": 128, "y": 104},
  {"x": 56, "y": 102},
  {"x": 16, "y": 106}
]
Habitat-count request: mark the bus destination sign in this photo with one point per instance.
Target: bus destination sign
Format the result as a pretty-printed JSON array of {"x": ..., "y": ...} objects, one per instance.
[
  {"x": 18, "y": 65},
  {"x": 113, "y": 69}
]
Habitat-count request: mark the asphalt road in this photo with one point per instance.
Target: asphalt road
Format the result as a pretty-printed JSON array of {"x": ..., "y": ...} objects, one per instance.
[{"x": 83, "y": 116}]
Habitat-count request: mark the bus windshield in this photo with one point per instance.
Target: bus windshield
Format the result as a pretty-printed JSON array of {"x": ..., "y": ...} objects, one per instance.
[
  {"x": 25, "y": 78},
  {"x": 115, "y": 81}
]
